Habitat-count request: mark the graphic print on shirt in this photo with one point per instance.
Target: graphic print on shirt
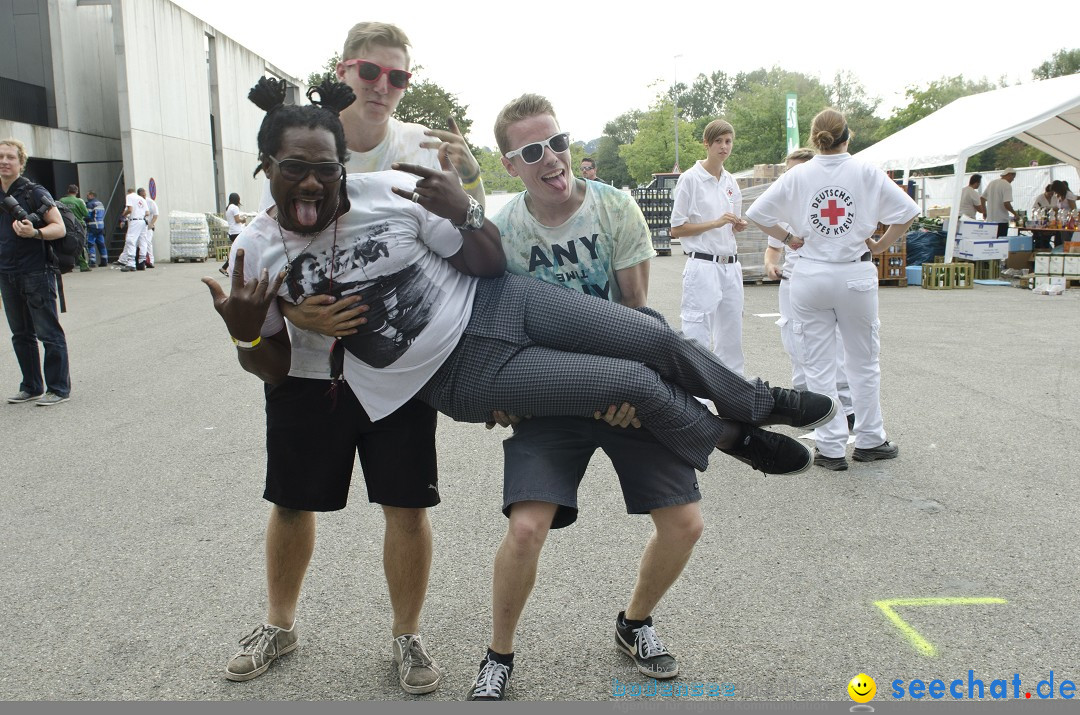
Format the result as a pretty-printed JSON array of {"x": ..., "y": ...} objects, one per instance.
[
  {"x": 399, "y": 304},
  {"x": 580, "y": 263},
  {"x": 832, "y": 212}
]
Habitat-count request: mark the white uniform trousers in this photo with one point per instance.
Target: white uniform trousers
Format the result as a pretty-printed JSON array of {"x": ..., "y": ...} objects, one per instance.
[
  {"x": 825, "y": 296},
  {"x": 146, "y": 245},
  {"x": 712, "y": 308},
  {"x": 136, "y": 228},
  {"x": 789, "y": 326}
]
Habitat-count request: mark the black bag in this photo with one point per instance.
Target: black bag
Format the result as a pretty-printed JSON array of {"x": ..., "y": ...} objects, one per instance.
[{"x": 63, "y": 253}]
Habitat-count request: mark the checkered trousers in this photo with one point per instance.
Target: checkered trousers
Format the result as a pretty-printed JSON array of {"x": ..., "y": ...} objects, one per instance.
[{"x": 532, "y": 348}]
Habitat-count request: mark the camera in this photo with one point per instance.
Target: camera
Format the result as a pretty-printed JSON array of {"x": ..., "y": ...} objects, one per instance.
[{"x": 12, "y": 207}]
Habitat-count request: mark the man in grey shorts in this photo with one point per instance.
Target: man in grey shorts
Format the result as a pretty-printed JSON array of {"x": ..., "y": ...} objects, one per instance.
[{"x": 590, "y": 237}]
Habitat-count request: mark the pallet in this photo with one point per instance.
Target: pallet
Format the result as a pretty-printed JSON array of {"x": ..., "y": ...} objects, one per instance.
[
  {"x": 183, "y": 259},
  {"x": 898, "y": 281},
  {"x": 759, "y": 281}
]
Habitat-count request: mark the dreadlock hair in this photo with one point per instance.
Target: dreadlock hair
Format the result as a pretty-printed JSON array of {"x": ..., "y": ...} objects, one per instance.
[{"x": 328, "y": 98}]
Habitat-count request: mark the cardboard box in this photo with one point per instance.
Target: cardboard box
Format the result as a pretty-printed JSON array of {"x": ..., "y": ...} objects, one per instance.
[
  {"x": 1072, "y": 265},
  {"x": 1020, "y": 259},
  {"x": 1020, "y": 243},
  {"x": 982, "y": 249},
  {"x": 1042, "y": 264},
  {"x": 1057, "y": 264}
]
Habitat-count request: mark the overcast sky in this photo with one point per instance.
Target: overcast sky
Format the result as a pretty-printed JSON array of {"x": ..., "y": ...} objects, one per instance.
[{"x": 596, "y": 60}]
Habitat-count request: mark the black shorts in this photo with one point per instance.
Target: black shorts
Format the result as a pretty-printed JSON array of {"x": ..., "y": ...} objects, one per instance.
[{"x": 311, "y": 443}]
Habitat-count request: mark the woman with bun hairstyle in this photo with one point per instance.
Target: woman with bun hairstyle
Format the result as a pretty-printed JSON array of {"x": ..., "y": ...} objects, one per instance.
[{"x": 833, "y": 204}]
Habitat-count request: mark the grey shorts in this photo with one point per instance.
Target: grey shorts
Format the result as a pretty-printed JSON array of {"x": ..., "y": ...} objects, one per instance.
[{"x": 546, "y": 458}]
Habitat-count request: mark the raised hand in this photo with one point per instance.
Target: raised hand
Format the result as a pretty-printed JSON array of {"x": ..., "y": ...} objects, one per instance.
[
  {"x": 437, "y": 191},
  {"x": 244, "y": 308},
  {"x": 452, "y": 148}
]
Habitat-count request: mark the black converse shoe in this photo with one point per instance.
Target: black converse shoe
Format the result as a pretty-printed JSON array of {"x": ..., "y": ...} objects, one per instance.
[
  {"x": 800, "y": 408},
  {"x": 491, "y": 681},
  {"x": 643, "y": 645},
  {"x": 885, "y": 450},
  {"x": 771, "y": 452}
]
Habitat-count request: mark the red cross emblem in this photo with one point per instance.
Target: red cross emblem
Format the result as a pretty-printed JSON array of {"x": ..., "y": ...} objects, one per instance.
[{"x": 833, "y": 212}]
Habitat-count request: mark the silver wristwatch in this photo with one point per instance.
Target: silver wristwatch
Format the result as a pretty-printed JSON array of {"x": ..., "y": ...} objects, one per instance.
[{"x": 474, "y": 217}]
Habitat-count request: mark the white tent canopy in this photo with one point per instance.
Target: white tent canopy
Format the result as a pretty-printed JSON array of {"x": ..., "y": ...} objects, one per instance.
[{"x": 1044, "y": 114}]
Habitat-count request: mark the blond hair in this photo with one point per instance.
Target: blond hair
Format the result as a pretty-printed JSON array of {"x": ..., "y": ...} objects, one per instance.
[
  {"x": 525, "y": 106},
  {"x": 828, "y": 129},
  {"x": 20, "y": 148},
  {"x": 800, "y": 155},
  {"x": 716, "y": 129},
  {"x": 364, "y": 34}
]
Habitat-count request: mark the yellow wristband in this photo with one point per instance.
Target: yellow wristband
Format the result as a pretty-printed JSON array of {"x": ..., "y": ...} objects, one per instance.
[
  {"x": 472, "y": 184},
  {"x": 244, "y": 345}
]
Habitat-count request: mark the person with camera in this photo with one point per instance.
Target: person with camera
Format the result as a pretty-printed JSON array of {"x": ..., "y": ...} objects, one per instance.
[{"x": 27, "y": 281}]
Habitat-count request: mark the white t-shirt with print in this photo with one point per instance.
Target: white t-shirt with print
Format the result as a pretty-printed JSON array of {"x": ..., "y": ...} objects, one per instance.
[
  {"x": 401, "y": 143},
  {"x": 606, "y": 234},
  {"x": 391, "y": 251},
  {"x": 137, "y": 204},
  {"x": 232, "y": 213},
  {"x": 834, "y": 202},
  {"x": 700, "y": 197}
]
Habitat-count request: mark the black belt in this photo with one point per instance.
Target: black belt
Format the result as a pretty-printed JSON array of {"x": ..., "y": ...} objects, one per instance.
[
  {"x": 137, "y": 219},
  {"x": 713, "y": 259}
]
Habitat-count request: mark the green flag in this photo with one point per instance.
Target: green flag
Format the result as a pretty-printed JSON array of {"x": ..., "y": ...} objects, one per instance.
[{"x": 792, "y": 123}]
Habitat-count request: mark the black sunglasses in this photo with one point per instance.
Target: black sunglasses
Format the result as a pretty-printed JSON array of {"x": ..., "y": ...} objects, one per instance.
[{"x": 297, "y": 170}]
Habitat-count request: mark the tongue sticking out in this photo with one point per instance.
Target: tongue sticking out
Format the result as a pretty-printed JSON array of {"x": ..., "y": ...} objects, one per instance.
[
  {"x": 307, "y": 212},
  {"x": 557, "y": 182}
]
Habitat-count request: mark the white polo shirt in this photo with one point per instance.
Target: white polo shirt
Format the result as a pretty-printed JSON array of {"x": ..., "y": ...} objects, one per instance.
[{"x": 701, "y": 197}]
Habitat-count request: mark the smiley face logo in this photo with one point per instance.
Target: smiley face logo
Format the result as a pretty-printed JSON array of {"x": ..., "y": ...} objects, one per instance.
[{"x": 862, "y": 688}]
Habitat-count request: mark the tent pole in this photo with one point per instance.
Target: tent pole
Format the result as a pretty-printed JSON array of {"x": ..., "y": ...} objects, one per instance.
[{"x": 959, "y": 172}]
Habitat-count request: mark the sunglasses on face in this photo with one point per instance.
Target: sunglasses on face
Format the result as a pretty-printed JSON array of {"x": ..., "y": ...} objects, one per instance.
[
  {"x": 296, "y": 170},
  {"x": 370, "y": 73},
  {"x": 532, "y": 153}
]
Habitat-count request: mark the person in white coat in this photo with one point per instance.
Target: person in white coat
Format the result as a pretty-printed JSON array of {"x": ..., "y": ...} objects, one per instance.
[
  {"x": 833, "y": 204},
  {"x": 774, "y": 253}
]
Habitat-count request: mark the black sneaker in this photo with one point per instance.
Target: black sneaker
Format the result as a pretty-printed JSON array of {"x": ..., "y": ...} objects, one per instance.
[
  {"x": 835, "y": 464},
  {"x": 491, "y": 681},
  {"x": 800, "y": 408},
  {"x": 885, "y": 450},
  {"x": 644, "y": 646},
  {"x": 771, "y": 452}
]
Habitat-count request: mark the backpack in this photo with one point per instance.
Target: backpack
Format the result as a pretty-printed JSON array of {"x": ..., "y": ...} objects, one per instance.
[{"x": 63, "y": 253}]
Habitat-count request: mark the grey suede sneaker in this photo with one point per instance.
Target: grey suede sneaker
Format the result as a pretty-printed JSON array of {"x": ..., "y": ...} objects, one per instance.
[
  {"x": 259, "y": 649},
  {"x": 417, "y": 672},
  {"x": 23, "y": 396},
  {"x": 885, "y": 450},
  {"x": 49, "y": 399}
]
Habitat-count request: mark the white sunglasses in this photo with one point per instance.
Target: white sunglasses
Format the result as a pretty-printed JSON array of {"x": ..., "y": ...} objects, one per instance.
[{"x": 532, "y": 153}]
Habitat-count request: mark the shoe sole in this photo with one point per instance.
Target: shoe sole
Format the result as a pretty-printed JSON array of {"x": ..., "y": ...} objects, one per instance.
[
  {"x": 241, "y": 677},
  {"x": 843, "y": 467},
  {"x": 419, "y": 689},
  {"x": 826, "y": 418},
  {"x": 644, "y": 670},
  {"x": 12, "y": 401},
  {"x": 52, "y": 402},
  {"x": 874, "y": 457}
]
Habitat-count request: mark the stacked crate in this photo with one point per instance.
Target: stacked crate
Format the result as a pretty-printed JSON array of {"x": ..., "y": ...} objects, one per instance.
[
  {"x": 1056, "y": 269},
  {"x": 948, "y": 276},
  {"x": 656, "y": 203},
  {"x": 892, "y": 265}
]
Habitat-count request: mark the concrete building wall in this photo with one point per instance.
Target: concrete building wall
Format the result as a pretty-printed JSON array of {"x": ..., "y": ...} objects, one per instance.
[{"x": 165, "y": 98}]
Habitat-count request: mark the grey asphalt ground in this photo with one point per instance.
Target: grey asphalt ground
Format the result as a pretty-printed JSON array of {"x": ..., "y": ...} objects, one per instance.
[{"x": 132, "y": 547}]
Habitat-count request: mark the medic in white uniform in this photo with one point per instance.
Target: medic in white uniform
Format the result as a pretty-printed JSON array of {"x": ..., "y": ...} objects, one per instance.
[
  {"x": 776, "y": 249},
  {"x": 834, "y": 203},
  {"x": 706, "y": 213}
]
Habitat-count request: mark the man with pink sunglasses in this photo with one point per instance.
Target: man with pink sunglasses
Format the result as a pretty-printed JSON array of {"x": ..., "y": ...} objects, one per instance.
[{"x": 401, "y": 472}]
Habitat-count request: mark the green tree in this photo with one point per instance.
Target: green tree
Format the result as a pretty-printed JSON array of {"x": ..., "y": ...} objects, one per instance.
[
  {"x": 757, "y": 111},
  {"x": 611, "y": 167},
  {"x": 331, "y": 66},
  {"x": 1064, "y": 62},
  {"x": 494, "y": 173},
  {"x": 924, "y": 102},
  {"x": 653, "y": 148},
  {"x": 847, "y": 95}
]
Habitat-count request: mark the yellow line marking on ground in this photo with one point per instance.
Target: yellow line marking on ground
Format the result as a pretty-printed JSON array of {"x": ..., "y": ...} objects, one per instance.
[{"x": 921, "y": 644}]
